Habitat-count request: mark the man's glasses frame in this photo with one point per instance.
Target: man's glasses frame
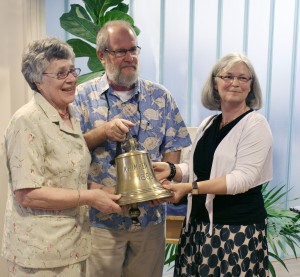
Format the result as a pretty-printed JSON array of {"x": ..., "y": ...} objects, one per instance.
[{"x": 119, "y": 53}]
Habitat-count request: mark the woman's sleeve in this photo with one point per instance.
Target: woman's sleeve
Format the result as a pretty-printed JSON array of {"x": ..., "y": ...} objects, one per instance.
[
  {"x": 254, "y": 158},
  {"x": 25, "y": 154}
]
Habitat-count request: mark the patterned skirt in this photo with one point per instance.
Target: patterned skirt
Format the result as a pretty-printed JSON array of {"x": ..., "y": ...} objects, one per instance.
[{"x": 232, "y": 250}]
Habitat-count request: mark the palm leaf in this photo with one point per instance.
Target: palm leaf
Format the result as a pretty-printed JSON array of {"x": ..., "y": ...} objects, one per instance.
[
  {"x": 279, "y": 260},
  {"x": 170, "y": 253},
  {"x": 272, "y": 269},
  {"x": 283, "y": 229}
]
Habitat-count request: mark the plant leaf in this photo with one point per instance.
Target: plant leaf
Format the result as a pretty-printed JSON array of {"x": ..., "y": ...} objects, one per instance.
[
  {"x": 271, "y": 269},
  {"x": 115, "y": 15},
  {"x": 272, "y": 198},
  {"x": 80, "y": 11},
  {"x": 89, "y": 76},
  {"x": 122, "y": 8},
  {"x": 82, "y": 48},
  {"x": 118, "y": 15},
  {"x": 94, "y": 64},
  {"x": 109, "y": 4},
  {"x": 78, "y": 23},
  {"x": 278, "y": 259},
  {"x": 93, "y": 7},
  {"x": 170, "y": 253}
]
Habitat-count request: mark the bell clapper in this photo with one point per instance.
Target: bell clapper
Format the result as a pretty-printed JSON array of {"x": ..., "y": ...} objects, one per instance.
[{"x": 134, "y": 213}]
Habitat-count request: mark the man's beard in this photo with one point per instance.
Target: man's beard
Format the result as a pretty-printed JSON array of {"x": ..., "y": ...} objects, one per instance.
[{"x": 116, "y": 75}]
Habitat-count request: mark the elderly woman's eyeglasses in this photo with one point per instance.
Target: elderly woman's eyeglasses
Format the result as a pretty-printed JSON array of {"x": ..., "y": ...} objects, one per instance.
[
  {"x": 230, "y": 78},
  {"x": 119, "y": 53},
  {"x": 64, "y": 74}
]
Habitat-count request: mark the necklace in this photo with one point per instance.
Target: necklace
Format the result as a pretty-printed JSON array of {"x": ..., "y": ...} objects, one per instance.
[
  {"x": 224, "y": 123},
  {"x": 65, "y": 116}
]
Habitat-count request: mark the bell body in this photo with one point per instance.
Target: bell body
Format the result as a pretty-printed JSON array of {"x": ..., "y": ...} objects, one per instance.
[{"x": 136, "y": 181}]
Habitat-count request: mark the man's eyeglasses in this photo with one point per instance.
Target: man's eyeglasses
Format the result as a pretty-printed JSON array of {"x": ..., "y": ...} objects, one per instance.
[
  {"x": 119, "y": 53},
  {"x": 64, "y": 74},
  {"x": 230, "y": 78}
]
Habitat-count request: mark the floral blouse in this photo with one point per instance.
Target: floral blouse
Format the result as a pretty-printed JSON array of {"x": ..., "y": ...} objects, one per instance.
[{"x": 41, "y": 150}]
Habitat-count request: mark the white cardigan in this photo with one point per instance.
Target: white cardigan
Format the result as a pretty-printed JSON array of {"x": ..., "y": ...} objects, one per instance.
[{"x": 244, "y": 156}]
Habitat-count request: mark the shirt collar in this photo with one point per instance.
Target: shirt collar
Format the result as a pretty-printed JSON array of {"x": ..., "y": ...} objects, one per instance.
[
  {"x": 48, "y": 109},
  {"x": 53, "y": 114},
  {"x": 105, "y": 87}
]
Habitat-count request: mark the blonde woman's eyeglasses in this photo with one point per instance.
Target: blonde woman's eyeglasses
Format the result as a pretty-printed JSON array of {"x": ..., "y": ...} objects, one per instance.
[{"x": 230, "y": 78}]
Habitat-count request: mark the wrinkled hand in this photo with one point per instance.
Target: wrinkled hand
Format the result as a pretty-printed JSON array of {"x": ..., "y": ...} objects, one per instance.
[
  {"x": 117, "y": 129},
  {"x": 105, "y": 202},
  {"x": 93, "y": 185},
  {"x": 161, "y": 170},
  {"x": 111, "y": 190}
]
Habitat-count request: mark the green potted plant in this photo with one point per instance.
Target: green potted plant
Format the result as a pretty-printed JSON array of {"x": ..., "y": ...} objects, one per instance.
[
  {"x": 85, "y": 22},
  {"x": 283, "y": 228}
]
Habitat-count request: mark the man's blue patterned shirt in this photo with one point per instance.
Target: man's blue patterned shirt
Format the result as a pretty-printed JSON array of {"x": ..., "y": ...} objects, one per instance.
[{"x": 159, "y": 129}]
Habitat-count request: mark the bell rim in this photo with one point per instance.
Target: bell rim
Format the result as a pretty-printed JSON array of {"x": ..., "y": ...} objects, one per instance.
[{"x": 126, "y": 200}]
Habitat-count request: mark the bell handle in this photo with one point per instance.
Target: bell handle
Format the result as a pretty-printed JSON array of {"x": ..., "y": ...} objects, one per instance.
[{"x": 118, "y": 152}]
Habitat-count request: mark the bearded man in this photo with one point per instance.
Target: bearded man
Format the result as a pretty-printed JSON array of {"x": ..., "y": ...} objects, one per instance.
[{"x": 109, "y": 107}]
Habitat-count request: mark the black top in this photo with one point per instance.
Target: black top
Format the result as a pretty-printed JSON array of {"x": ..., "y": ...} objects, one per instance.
[{"x": 244, "y": 208}]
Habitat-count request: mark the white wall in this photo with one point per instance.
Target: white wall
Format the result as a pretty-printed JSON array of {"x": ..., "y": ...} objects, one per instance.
[{"x": 20, "y": 22}]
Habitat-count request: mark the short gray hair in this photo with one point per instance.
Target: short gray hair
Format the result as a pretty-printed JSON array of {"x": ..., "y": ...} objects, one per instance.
[
  {"x": 102, "y": 35},
  {"x": 38, "y": 55},
  {"x": 210, "y": 97}
]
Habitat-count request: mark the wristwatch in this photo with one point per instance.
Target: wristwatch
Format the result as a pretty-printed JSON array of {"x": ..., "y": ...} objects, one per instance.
[{"x": 195, "y": 189}]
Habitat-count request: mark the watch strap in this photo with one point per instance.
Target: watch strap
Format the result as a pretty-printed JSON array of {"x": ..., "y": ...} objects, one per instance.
[{"x": 195, "y": 188}]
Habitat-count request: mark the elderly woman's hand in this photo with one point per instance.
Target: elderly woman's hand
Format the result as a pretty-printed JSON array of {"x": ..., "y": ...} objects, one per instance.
[
  {"x": 93, "y": 185},
  {"x": 105, "y": 202}
]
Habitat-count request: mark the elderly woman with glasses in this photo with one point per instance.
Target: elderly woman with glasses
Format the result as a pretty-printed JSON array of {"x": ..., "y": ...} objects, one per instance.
[
  {"x": 46, "y": 223},
  {"x": 224, "y": 232}
]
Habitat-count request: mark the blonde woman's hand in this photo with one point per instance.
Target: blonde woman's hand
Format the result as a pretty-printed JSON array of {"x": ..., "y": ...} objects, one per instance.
[
  {"x": 161, "y": 170},
  {"x": 179, "y": 190}
]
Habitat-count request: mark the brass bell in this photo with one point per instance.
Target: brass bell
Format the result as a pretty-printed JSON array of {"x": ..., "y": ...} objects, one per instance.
[{"x": 136, "y": 181}]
